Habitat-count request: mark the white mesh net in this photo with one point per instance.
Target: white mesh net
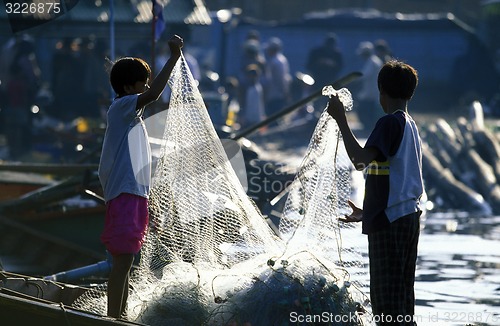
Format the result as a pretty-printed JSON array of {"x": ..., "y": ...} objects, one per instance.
[
  {"x": 343, "y": 93},
  {"x": 210, "y": 258},
  {"x": 317, "y": 198}
]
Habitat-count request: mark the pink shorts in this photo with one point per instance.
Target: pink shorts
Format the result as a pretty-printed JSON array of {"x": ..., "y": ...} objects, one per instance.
[{"x": 125, "y": 225}]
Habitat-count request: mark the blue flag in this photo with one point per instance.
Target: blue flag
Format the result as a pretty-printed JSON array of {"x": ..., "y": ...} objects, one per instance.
[{"x": 158, "y": 18}]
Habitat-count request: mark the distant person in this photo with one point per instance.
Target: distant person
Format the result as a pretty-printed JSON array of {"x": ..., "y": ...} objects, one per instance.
[
  {"x": 126, "y": 196},
  {"x": 252, "y": 111},
  {"x": 94, "y": 78},
  {"x": 22, "y": 85},
  {"x": 233, "y": 91},
  {"x": 65, "y": 86},
  {"x": 19, "y": 48},
  {"x": 382, "y": 50},
  {"x": 277, "y": 78},
  {"x": 325, "y": 62},
  {"x": 17, "y": 115},
  {"x": 253, "y": 39},
  {"x": 390, "y": 216},
  {"x": 7, "y": 55},
  {"x": 367, "y": 97},
  {"x": 254, "y": 35},
  {"x": 252, "y": 52},
  {"x": 251, "y": 55}
]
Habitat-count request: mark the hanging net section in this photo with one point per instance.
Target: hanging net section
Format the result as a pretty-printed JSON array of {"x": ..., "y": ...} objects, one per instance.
[
  {"x": 209, "y": 257},
  {"x": 317, "y": 198}
]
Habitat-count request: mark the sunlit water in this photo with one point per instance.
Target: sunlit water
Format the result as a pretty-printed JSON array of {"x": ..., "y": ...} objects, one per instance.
[{"x": 458, "y": 272}]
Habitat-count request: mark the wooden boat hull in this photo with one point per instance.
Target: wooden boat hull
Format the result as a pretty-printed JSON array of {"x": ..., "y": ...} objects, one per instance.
[
  {"x": 32, "y": 301},
  {"x": 15, "y": 310},
  {"x": 14, "y": 184},
  {"x": 27, "y": 250}
]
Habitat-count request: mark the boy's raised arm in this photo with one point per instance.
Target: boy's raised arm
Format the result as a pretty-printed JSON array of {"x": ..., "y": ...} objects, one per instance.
[
  {"x": 159, "y": 82},
  {"x": 359, "y": 155}
]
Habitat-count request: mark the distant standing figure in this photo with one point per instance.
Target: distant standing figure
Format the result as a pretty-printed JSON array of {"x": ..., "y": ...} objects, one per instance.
[
  {"x": 252, "y": 110},
  {"x": 125, "y": 192},
  {"x": 252, "y": 52},
  {"x": 325, "y": 62},
  {"x": 251, "y": 55},
  {"x": 22, "y": 85},
  {"x": 382, "y": 50},
  {"x": 277, "y": 79},
  {"x": 94, "y": 80},
  {"x": 17, "y": 126},
  {"x": 65, "y": 87},
  {"x": 367, "y": 98}
]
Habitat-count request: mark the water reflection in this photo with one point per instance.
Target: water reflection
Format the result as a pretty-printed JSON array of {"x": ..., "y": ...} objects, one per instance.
[{"x": 458, "y": 279}]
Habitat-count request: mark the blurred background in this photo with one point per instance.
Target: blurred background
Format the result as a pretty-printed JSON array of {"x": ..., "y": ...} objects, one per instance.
[
  {"x": 54, "y": 93},
  {"x": 453, "y": 44}
]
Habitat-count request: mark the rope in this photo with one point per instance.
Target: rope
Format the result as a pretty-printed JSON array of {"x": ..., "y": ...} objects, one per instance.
[{"x": 65, "y": 313}]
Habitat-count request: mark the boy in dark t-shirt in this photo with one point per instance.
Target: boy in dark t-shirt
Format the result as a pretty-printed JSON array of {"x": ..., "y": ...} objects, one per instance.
[{"x": 390, "y": 216}]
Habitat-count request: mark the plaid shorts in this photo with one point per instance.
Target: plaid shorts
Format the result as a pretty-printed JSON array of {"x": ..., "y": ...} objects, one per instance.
[{"x": 393, "y": 256}]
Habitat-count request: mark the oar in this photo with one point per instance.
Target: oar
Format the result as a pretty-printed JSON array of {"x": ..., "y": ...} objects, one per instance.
[
  {"x": 337, "y": 84},
  {"x": 48, "y": 168}
]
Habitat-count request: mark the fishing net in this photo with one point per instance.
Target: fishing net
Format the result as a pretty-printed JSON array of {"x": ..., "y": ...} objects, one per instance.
[
  {"x": 210, "y": 258},
  {"x": 320, "y": 192},
  {"x": 317, "y": 197}
]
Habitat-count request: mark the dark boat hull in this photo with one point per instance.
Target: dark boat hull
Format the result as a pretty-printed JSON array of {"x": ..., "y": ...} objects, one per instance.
[{"x": 32, "y": 301}]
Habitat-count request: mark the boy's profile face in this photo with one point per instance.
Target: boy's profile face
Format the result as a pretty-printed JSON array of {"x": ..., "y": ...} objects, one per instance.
[
  {"x": 138, "y": 88},
  {"x": 382, "y": 99}
]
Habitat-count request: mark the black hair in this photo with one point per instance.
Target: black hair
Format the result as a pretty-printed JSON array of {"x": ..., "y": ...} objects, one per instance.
[
  {"x": 128, "y": 71},
  {"x": 398, "y": 79}
]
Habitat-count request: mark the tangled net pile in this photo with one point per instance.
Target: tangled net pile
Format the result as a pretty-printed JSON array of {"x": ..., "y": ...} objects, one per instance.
[{"x": 210, "y": 258}]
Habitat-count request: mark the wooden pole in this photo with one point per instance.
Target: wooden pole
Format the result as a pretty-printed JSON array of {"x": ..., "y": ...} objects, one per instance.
[
  {"x": 153, "y": 39},
  {"x": 337, "y": 84}
]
